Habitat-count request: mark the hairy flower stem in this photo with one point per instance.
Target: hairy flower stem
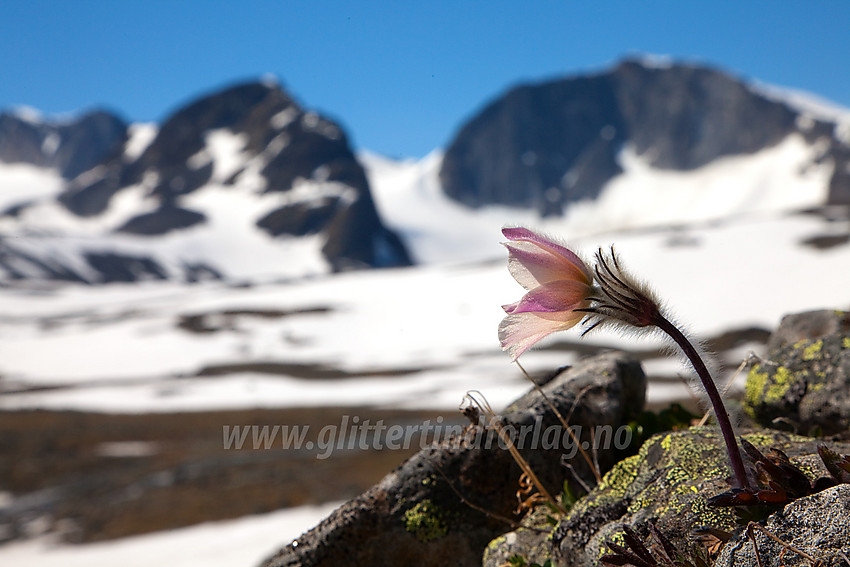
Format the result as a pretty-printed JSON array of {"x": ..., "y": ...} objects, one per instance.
[{"x": 713, "y": 395}]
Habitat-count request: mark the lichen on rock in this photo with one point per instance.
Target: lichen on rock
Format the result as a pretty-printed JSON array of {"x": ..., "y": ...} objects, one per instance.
[
  {"x": 425, "y": 521},
  {"x": 668, "y": 483},
  {"x": 805, "y": 378}
]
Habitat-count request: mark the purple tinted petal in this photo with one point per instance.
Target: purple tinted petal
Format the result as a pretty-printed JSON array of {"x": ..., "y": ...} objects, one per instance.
[
  {"x": 564, "y": 295},
  {"x": 531, "y": 265},
  {"x": 521, "y": 234},
  {"x": 510, "y": 307}
]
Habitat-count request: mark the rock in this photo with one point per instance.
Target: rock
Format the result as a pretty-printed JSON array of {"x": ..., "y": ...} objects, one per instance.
[
  {"x": 291, "y": 147},
  {"x": 530, "y": 541},
  {"x": 818, "y": 525},
  {"x": 244, "y": 165},
  {"x": 805, "y": 378},
  {"x": 445, "y": 504},
  {"x": 125, "y": 268},
  {"x": 162, "y": 221},
  {"x": 668, "y": 482},
  {"x": 68, "y": 146},
  {"x": 545, "y": 146}
]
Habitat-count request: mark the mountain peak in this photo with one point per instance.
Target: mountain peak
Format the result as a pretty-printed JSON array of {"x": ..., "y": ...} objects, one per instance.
[
  {"x": 70, "y": 145},
  {"x": 547, "y": 145},
  {"x": 242, "y": 166}
]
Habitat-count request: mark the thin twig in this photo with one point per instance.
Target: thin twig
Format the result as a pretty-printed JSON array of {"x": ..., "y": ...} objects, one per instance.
[
  {"x": 787, "y": 546},
  {"x": 752, "y": 537},
  {"x": 563, "y": 423},
  {"x": 513, "y": 523},
  {"x": 485, "y": 407},
  {"x": 569, "y": 466}
]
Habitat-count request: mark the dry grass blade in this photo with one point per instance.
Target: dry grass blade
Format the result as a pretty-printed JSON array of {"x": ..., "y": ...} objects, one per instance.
[
  {"x": 484, "y": 406},
  {"x": 565, "y": 424}
]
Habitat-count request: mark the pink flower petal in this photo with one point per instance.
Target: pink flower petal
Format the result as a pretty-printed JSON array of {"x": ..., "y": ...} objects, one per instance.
[
  {"x": 510, "y": 307},
  {"x": 521, "y": 234},
  {"x": 520, "y": 331},
  {"x": 532, "y": 265},
  {"x": 562, "y": 295}
]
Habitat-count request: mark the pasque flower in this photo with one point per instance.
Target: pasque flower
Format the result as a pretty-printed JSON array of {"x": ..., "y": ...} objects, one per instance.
[
  {"x": 557, "y": 283},
  {"x": 561, "y": 293}
]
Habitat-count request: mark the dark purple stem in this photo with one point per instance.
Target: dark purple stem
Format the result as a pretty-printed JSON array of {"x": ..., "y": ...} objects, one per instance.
[{"x": 713, "y": 395}]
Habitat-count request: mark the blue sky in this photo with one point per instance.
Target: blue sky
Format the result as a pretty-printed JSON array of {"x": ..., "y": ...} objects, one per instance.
[{"x": 400, "y": 76}]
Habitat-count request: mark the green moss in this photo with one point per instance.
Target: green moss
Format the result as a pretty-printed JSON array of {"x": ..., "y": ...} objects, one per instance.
[
  {"x": 812, "y": 351},
  {"x": 425, "y": 521}
]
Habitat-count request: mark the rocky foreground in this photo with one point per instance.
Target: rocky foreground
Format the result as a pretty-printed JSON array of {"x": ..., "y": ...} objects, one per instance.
[{"x": 462, "y": 501}]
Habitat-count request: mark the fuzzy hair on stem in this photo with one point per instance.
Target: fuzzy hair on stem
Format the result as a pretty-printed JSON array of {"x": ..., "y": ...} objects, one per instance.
[{"x": 621, "y": 300}]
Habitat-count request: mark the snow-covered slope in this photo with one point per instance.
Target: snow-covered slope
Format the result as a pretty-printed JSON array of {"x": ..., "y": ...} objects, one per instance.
[
  {"x": 783, "y": 178},
  {"x": 241, "y": 184},
  {"x": 407, "y": 337}
]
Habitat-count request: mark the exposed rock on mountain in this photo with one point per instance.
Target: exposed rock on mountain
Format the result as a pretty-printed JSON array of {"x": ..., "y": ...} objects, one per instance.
[
  {"x": 241, "y": 165},
  {"x": 70, "y": 147},
  {"x": 548, "y": 145}
]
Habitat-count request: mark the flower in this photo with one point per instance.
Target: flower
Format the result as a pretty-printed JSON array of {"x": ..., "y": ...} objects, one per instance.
[
  {"x": 558, "y": 283},
  {"x": 561, "y": 293}
]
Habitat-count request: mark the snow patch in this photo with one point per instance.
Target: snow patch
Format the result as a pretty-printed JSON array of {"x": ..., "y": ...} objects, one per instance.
[
  {"x": 25, "y": 183},
  {"x": 283, "y": 118},
  {"x": 231, "y": 543},
  {"x": 140, "y": 136},
  {"x": 227, "y": 150}
]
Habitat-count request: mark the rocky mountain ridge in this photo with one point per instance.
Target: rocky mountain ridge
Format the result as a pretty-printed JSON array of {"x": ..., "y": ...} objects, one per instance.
[
  {"x": 71, "y": 147},
  {"x": 247, "y": 168},
  {"x": 287, "y": 173},
  {"x": 545, "y": 146}
]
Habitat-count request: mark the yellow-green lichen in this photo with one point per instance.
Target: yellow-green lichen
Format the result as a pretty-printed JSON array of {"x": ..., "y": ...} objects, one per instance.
[
  {"x": 782, "y": 380},
  {"x": 762, "y": 388},
  {"x": 714, "y": 516},
  {"x": 425, "y": 521},
  {"x": 846, "y": 342},
  {"x": 691, "y": 457},
  {"x": 812, "y": 351},
  {"x": 769, "y": 439},
  {"x": 756, "y": 383},
  {"x": 621, "y": 476}
]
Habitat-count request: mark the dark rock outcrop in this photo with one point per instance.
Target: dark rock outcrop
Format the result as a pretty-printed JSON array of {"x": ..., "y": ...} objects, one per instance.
[
  {"x": 252, "y": 139},
  {"x": 445, "y": 504},
  {"x": 816, "y": 525},
  {"x": 668, "y": 483},
  {"x": 163, "y": 220},
  {"x": 71, "y": 146},
  {"x": 805, "y": 379},
  {"x": 548, "y": 145}
]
